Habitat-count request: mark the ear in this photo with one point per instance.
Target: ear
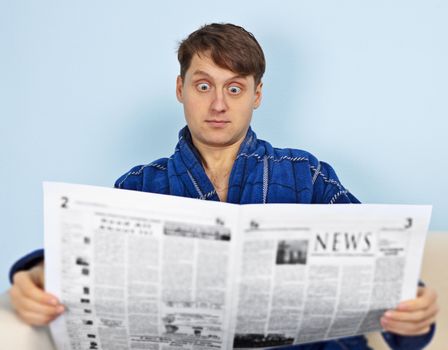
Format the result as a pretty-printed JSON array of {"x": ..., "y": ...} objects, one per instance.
[
  {"x": 179, "y": 89},
  {"x": 258, "y": 95}
]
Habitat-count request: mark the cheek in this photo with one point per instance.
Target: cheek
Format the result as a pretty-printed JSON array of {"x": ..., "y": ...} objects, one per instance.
[
  {"x": 194, "y": 107},
  {"x": 247, "y": 109},
  {"x": 194, "y": 103}
]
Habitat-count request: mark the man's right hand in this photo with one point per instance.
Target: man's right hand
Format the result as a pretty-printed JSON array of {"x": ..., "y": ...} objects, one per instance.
[{"x": 33, "y": 305}]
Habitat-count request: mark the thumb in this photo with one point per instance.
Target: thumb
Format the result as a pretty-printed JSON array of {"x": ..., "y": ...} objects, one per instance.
[{"x": 37, "y": 275}]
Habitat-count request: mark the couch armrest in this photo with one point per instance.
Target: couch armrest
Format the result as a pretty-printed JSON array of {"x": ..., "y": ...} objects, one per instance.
[{"x": 15, "y": 334}]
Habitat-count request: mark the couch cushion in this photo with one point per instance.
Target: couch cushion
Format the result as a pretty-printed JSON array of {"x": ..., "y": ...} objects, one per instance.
[{"x": 15, "y": 334}]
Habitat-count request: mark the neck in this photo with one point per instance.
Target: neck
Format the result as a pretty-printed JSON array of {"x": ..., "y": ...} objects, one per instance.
[
  {"x": 220, "y": 159},
  {"x": 218, "y": 163}
]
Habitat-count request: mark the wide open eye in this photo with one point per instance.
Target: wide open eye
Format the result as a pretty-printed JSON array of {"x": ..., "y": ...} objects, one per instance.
[
  {"x": 234, "y": 90},
  {"x": 203, "y": 87}
]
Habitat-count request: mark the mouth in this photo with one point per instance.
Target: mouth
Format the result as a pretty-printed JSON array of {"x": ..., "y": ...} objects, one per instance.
[{"x": 217, "y": 123}]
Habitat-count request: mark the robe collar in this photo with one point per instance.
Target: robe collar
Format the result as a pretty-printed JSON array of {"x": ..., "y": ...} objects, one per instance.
[{"x": 187, "y": 175}]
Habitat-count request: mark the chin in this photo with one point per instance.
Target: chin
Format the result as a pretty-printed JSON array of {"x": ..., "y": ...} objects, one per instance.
[
  {"x": 217, "y": 138},
  {"x": 219, "y": 141}
]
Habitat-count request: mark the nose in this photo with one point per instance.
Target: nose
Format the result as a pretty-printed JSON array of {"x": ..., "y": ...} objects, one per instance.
[{"x": 219, "y": 103}]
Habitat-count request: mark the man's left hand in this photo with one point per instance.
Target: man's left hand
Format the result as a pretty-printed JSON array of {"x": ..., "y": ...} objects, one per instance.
[{"x": 413, "y": 317}]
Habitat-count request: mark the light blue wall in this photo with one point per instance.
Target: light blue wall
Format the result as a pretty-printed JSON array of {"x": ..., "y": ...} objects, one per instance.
[{"x": 87, "y": 91}]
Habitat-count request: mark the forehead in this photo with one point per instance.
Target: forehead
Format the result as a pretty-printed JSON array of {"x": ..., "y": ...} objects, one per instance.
[{"x": 205, "y": 66}]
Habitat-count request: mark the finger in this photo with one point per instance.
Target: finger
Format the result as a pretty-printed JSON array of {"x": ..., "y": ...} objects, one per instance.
[
  {"x": 425, "y": 297},
  {"x": 407, "y": 331},
  {"x": 24, "y": 283},
  {"x": 21, "y": 304},
  {"x": 413, "y": 316},
  {"x": 407, "y": 328},
  {"x": 42, "y": 309},
  {"x": 410, "y": 325},
  {"x": 400, "y": 331},
  {"x": 38, "y": 276}
]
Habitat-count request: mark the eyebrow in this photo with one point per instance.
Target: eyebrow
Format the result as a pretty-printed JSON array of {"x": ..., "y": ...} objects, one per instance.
[{"x": 201, "y": 72}]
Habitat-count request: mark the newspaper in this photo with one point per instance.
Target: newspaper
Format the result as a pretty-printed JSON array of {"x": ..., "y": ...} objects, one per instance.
[{"x": 146, "y": 271}]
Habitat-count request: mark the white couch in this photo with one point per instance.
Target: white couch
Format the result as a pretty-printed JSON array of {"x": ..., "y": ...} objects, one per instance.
[{"x": 15, "y": 335}]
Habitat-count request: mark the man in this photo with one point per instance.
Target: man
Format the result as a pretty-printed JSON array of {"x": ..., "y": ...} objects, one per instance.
[{"x": 219, "y": 158}]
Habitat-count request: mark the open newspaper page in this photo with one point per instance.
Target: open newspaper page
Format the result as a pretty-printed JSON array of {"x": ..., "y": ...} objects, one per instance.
[
  {"x": 146, "y": 271},
  {"x": 138, "y": 270},
  {"x": 313, "y": 272}
]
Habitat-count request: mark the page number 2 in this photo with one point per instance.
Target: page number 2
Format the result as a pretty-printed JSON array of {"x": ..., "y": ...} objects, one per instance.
[{"x": 64, "y": 201}]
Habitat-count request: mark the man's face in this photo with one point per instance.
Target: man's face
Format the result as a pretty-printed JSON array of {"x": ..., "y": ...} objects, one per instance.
[{"x": 218, "y": 103}]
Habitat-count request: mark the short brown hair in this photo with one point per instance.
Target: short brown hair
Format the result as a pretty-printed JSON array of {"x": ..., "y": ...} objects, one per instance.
[{"x": 229, "y": 46}]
